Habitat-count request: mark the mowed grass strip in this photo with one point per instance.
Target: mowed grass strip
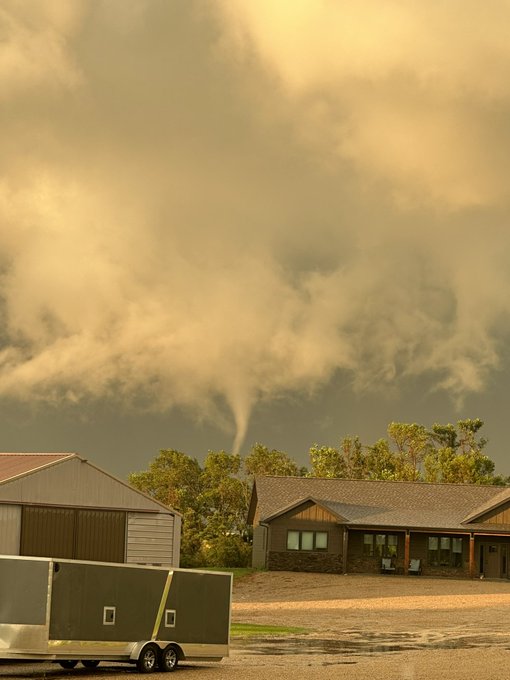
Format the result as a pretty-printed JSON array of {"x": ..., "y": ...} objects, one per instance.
[{"x": 262, "y": 630}]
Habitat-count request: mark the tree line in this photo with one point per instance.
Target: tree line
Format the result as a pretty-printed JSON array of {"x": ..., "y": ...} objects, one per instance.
[{"x": 214, "y": 497}]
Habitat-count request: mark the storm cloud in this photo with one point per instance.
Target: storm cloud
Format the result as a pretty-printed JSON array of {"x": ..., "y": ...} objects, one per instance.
[{"x": 208, "y": 204}]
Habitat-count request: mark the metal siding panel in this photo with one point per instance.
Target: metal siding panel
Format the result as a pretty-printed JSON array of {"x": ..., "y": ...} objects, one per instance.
[
  {"x": 47, "y": 532},
  {"x": 10, "y": 529},
  {"x": 177, "y": 540},
  {"x": 259, "y": 547},
  {"x": 150, "y": 538}
]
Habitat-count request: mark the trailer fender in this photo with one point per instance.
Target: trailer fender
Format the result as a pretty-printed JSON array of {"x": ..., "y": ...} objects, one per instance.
[{"x": 137, "y": 648}]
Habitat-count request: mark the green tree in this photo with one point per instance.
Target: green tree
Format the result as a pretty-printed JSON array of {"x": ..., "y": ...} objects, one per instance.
[
  {"x": 262, "y": 461},
  {"x": 225, "y": 499},
  {"x": 225, "y": 496},
  {"x": 457, "y": 455},
  {"x": 381, "y": 462},
  {"x": 412, "y": 443},
  {"x": 175, "y": 479},
  {"x": 213, "y": 501},
  {"x": 354, "y": 458},
  {"x": 326, "y": 461}
]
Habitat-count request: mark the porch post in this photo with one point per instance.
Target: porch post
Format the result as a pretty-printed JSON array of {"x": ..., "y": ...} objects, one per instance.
[
  {"x": 471, "y": 555},
  {"x": 345, "y": 547},
  {"x": 407, "y": 552}
]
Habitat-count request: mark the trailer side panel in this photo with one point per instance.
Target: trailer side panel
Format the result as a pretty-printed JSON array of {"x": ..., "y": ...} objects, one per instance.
[
  {"x": 201, "y": 602},
  {"x": 23, "y": 591},
  {"x": 102, "y": 602}
]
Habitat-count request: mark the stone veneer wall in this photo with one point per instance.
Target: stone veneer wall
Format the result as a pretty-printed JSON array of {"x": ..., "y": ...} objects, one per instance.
[
  {"x": 305, "y": 561},
  {"x": 361, "y": 564},
  {"x": 456, "y": 572}
]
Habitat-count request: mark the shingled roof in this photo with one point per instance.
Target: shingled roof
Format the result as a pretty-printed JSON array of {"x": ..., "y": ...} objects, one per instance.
[{"x": 379, "y": 503}]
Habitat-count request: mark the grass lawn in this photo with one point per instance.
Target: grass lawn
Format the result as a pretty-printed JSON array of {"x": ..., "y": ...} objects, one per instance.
[{"x": 238, "y": 572}]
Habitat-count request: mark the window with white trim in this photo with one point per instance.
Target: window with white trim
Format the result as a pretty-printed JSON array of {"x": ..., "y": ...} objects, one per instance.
[
  {"x": 445, "y": 551},
  {"x": 307, "y": 540},
  {"x": 380, "y": 545}
]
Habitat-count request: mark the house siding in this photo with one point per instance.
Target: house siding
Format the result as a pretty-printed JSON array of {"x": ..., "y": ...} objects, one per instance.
[
  {"x": 259, "y": 547},
  {"x": 358, "y": 507},
  {"x": 500, "y": 516},
  {"x": 281, "y": 559},
  {"x": 279, "y": 529}
]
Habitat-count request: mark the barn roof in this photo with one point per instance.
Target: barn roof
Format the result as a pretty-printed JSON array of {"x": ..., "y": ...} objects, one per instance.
[
  {"x": 68, "y": 479},
  {"x": 379, "y": 503},
  {"x": 14, "y": 465}
]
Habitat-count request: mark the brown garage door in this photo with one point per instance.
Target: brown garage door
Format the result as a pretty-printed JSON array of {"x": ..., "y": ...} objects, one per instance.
[
  {"x": 47, "y": 532},
  {"x": 100, "y": 535},
  {"x": 73, "y": 533}
]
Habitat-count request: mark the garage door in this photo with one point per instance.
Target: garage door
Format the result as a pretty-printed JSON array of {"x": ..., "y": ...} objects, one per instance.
[{"x": 73, "y": 533}]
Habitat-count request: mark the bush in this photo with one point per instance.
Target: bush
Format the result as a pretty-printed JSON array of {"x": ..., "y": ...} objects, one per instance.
[{"x": 227, "y": 551}]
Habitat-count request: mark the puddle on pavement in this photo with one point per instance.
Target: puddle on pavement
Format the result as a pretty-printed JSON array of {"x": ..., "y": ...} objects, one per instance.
[{"x": 366, "y": 644}]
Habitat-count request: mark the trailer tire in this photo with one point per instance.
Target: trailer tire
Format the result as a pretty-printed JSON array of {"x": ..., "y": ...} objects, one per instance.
[
  {"x": 148, "y": 659},
  {"x": 68, "y": 663},
  {"x": 169, "y": 658},
  {"x": 90, "y": 663}
]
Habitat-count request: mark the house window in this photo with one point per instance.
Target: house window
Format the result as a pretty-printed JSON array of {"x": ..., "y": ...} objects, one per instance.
[
  {"x": 445, "y": 551},
  {"x": 380, "y": 545},
  {"x": 307, "y": 540},
  {"x": 368, "y": 544}
]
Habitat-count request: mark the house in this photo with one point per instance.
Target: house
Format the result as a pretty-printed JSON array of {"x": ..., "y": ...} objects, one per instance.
[
  {"x": 349, "y": 526},
  {"x": 61, "y": 505}
]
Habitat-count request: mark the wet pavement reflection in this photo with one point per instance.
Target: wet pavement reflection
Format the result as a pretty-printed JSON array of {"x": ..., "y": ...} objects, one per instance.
[{"x": 362, "y": 643}]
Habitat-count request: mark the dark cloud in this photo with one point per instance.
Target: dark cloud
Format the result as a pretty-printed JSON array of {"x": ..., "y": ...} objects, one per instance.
[{"x": 201, "y": 209}]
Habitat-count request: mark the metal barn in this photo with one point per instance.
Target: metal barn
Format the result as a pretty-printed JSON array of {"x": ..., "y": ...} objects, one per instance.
[{"x": 61, "y": 505}]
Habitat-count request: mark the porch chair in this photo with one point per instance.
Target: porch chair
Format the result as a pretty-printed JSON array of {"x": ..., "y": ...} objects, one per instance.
[
  {"x": 415, "y": 567},
  {"x": 386, "y": 566}
]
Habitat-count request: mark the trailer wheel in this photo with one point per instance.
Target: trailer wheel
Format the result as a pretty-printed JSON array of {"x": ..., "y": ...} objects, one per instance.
[
  {"x": 90, "y": 663},
  {"x": 148, "y": 659},
  {"x": 169, "y": 659},
  {"x": 68, "y": 663}
]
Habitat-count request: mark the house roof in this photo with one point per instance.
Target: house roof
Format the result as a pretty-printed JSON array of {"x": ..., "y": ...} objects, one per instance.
[
  {"x": 379, "y": 503},
  {"x": 14, "y": 465}
]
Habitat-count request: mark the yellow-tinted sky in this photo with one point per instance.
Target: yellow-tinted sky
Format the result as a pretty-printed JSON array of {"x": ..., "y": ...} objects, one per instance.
[{"x": 250, "y": 215}]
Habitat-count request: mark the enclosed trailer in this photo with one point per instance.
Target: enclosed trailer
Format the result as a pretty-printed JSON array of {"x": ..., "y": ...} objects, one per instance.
[{"x": 70, "y": 611}]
